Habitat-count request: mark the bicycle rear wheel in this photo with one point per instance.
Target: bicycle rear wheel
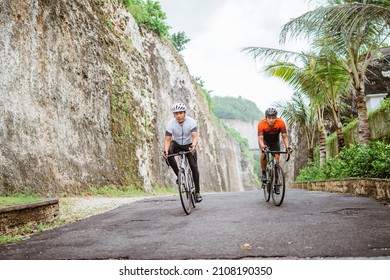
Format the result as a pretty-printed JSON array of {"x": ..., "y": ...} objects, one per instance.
[
  {"x": 185, "y": 196},
  {"x": 278, "y": 186}
]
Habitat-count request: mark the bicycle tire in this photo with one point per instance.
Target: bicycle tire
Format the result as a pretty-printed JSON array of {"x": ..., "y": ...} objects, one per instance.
[
  {"x": 278, "y": 182},
  {"x": 184, "y": 197},
  {"x": 267, "y": 188}
]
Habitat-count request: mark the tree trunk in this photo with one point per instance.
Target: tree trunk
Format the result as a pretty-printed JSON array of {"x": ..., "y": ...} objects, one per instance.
[
  {"x": 339, "y": 129},
  {"x": 340, "y": 137},
  {"x": 310, "y": 154},
  {"x": 364, "y": 129},
  {"x": 322, "y": 143},
  {"x": 310, "y": 144}
]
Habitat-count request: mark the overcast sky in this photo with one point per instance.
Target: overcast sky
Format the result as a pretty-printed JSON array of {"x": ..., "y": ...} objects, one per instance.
[{"x": 219, "y": 29}]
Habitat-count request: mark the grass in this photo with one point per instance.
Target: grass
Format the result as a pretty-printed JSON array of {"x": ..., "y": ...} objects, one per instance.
[
  {"x": 21, "y": 232},
  {"x": 125, "y": 191},
  {"x": 5, "y": 239},
  {"x": 18, "y": 199}
]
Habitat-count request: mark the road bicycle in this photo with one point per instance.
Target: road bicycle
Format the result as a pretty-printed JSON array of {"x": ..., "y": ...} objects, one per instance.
[
  {"x": 185, "y": 182},
  {"x": 275, "y": 183}
]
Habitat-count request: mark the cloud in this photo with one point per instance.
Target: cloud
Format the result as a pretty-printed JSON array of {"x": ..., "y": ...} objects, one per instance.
[{"x": 219, "y": 29}]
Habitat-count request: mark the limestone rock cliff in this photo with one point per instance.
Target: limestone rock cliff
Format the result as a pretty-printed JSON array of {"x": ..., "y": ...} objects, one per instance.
[
  {"x": 85, "y": 95},
  {"x": 247, "y": 129}
]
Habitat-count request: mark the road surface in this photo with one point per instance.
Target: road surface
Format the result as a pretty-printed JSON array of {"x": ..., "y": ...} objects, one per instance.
[{"x": 237, "y": 225}]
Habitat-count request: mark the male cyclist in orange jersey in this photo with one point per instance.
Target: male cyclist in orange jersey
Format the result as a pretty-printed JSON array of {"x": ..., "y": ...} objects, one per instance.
[{"x": 268, "y": 131}]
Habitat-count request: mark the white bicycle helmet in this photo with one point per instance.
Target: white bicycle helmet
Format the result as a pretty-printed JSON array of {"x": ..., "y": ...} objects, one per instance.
[
  {"x": 271, "y": 112},
  {"x": 178, "y": 107}
]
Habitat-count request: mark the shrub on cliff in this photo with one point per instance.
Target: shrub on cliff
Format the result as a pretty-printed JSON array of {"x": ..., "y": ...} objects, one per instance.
[{"x": 150, "y": 14}]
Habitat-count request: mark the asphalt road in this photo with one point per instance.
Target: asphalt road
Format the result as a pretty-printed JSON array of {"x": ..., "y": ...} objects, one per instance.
[{"x": 224, "y": 226}]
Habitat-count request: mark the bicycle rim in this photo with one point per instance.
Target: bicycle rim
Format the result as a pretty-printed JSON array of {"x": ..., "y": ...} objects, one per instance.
[
  {"x": 185, "y": 198},
  {"x": 278, "y": 182}
]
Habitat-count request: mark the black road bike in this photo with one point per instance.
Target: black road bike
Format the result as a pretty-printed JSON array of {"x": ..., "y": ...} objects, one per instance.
[
  {"x": 185, "y": 182},
  {"x": 275, "y": 183}
]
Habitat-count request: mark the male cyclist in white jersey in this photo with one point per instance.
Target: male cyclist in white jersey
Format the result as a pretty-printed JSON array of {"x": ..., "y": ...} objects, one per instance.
[{"x": 181, "y": 135}]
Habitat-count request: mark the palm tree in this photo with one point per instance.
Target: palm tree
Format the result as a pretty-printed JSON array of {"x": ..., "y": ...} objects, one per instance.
[
  {"x": 356, "y": 29},
  {"x": 321, "y": 78},
  {"x": 298, "y": 112},
  {"x": 334, "y": 83}
]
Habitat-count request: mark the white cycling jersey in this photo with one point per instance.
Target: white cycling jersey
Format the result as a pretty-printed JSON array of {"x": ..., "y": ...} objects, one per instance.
[{"x": 181, "y": 132}]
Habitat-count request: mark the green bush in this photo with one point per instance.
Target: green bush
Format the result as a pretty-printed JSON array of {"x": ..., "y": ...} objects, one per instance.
[
  {"x": 369, "y": 161},
  {"x": 179, "y": 40},
  {"x": 150, "y": 14},
  {"x": 310, "y": 173},
  {"x": 357, "y": 161}
]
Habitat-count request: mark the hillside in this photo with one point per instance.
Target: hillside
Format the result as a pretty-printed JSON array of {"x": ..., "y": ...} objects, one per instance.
[{"x": 234, "y": 108}]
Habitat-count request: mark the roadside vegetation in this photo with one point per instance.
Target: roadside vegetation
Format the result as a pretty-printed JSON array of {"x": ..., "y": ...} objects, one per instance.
[
  {"x": 24, "y": 231},
  {"x": 357, "y": 161},
  {"x": 126, "y": 191},
  {"x": 14, "y": 199}
]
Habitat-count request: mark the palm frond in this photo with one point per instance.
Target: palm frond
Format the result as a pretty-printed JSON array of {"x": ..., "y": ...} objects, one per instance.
[
  {"x": 350, "y": 18},
  {"x": 272, "y": 54}
]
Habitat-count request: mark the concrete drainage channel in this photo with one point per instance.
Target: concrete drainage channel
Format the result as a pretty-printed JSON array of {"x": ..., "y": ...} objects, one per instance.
[{"x": 12, "y": 217}]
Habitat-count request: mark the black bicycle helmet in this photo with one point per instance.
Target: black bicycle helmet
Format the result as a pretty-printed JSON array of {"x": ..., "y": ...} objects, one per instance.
[
  {"x": 271, "y": 112},
  {"x": 178, "y": 107}
]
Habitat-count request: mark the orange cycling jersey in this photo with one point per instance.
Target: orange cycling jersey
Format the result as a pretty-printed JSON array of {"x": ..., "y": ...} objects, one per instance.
[{"x": 271, "y": 133}]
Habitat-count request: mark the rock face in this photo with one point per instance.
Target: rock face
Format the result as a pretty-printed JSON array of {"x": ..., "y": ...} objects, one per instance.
[
  {"x": 378, "y": 74},
  {"x": 85, "y": 95},
  {"x": 247, "y": 130}
]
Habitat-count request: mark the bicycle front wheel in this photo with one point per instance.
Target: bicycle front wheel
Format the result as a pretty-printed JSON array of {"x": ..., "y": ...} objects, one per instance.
[
  {"x": 185, "y": 197},
  {"x": 278, "y": 186},
  {"x": 191, "y": 187}
]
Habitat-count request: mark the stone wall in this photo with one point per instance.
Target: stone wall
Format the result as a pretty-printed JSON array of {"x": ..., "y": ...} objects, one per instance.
[
  {"x": 377, "y": 188},
  {"x": 12, "y": 217}
]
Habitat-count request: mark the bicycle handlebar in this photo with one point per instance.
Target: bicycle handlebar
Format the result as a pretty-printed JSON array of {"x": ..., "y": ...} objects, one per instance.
[
  {"x": 176, "y": 154},
  {"x": 179, "y": 153},
  {"x": 279, "y": 152}
]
